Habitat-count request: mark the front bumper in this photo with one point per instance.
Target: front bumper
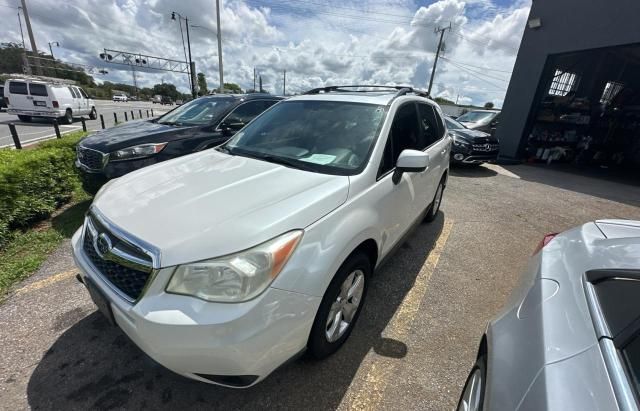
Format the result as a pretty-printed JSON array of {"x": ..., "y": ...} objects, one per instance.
[
  {"x": 235, "y": 345},
  {"x": 463, "y": 154}
]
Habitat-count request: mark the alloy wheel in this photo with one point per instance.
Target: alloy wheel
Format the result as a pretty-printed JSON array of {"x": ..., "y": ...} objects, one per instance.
[{"x": 345, "y": 307}]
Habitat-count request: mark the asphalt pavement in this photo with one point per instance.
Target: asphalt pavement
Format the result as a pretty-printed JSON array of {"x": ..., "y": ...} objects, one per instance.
[
  {"x": 42, "y": 129},
  {"x": 411, "y": 349}
]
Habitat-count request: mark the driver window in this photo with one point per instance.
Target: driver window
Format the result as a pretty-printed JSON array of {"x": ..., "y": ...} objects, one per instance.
[
  {"x": 244, "y": 114},
  {"x": 405, "y": 134}
]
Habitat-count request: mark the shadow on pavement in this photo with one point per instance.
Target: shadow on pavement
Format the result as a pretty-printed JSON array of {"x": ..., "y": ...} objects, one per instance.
[
  {"x": 607, "y": 184},
  {"x": 466, "y": 170},
  {"x": 95, "y": 366}
]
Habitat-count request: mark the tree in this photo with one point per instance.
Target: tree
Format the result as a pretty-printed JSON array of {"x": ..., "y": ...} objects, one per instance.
[
  {"x": 488, "y": 105},
  {"x": 233, "y": 87},
  {"x": 166, "y": 89},
  {"x": 442, "y": 100},
  {"x": 202, "y": 85}
]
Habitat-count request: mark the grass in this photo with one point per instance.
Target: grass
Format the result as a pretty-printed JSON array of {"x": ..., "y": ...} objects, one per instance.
[{"x": 26, "y": 250}]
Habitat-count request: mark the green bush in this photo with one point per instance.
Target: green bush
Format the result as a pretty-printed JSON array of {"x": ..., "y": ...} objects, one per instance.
[{"x": 34, "y": 182}]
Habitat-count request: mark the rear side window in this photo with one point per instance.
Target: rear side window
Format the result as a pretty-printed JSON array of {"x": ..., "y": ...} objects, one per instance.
[
  {"x": 405, "y": 133},
  {"x": 17, "y": 87},
  {"x": 83, "y": 93},
  {"x": 74, "y": 93},
  {"x": 432, "y": 128},
  {"x": 38, "y": 90}
]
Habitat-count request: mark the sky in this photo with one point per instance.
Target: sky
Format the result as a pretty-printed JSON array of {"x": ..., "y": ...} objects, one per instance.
[{"x": 317, "y": 42}]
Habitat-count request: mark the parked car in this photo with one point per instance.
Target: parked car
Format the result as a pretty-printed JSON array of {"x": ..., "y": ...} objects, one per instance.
[
  {"x": 471, "y": 146},
  {"x": 200, "y": 124},
  {"x": 178, "y": 102},
  {"x": 120, "y": 98},
  {"x": 28, "y": 98},
  {"x": 481, "y": 120},
  {"x": 166, "y": 100},
  {"x": 3, "y": 103},
  {"x": 224, "y": 264},
  {"x": 569, "y": 339},
  {"x": 157, "y": 99}
]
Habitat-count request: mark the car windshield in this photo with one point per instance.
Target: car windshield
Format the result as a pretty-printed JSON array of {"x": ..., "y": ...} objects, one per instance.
[
  {"x": 476, "y": 116},
  {"x": 197, "y": 112},
  {"x": 329, "y": 137},
  {"x": 453, "y": 125}
]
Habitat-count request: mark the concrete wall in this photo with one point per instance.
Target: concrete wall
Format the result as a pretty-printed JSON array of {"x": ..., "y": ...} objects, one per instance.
[{"x": 567, "y": 25}]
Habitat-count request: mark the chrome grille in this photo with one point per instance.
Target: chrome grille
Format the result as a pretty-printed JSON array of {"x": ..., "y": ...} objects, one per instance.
[
  {"x": 91, "y": 159},
  {"x": 126, "y": 267},
  {"x": 486, "y": 147}
]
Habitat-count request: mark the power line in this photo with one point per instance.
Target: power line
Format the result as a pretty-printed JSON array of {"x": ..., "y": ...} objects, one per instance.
[
  {"x": 482, "y": 73},
  {"x": 477, "y": 76},
  {"x": 479, "y": 67}
]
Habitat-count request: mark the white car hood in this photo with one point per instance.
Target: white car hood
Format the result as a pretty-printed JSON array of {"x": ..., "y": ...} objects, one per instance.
[{"x": 210, "y": 204}]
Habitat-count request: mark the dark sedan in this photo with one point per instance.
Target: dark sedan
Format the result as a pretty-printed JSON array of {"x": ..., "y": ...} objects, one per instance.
[
  {"x": 200, "y": 124},
  {"x": 471, "y": 146}
]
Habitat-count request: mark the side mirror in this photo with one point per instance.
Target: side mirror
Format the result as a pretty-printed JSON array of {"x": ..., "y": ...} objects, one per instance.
[{"x": 410, "y": 161}]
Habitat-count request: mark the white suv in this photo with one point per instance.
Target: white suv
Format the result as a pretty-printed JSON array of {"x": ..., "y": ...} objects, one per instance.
[{"x": 222, "y": 265}]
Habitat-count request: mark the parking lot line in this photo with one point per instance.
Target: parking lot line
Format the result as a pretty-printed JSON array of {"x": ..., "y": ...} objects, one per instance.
[
  {"x": 46, "y": 282},
  {"x": 370, "y": 392}
]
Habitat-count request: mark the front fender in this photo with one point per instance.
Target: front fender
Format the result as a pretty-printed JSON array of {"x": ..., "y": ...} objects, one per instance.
[{"x": 326, "y": 244}]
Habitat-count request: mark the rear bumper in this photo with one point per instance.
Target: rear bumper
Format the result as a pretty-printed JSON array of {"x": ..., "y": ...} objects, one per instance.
[
  {"x": 235, "y": 345},
  {"x": 37, "y": 113}
]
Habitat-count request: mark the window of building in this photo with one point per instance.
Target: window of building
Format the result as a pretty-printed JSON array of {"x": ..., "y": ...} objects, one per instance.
[
  {"x": 563, "y": 82},
  {"x": 611, "y": 90}
]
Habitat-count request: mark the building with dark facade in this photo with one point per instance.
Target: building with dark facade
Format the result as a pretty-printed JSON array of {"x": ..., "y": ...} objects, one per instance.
[{"x": 574, "y": 95}]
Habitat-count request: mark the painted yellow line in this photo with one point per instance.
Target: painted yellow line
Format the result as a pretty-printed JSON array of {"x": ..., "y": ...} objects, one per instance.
[
  {"x": 46, "y": 282},
  {"x": 368, "y": 393}
]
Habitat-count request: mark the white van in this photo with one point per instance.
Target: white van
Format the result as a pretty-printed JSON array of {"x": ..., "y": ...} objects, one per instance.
[
  {"x": 28, "y": 98},
  {"x": 120, "y": 97}
]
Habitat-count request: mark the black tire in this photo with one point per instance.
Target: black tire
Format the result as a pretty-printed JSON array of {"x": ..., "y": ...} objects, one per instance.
[
  {"x": 93, "y": 115},
  {"x": 26, "y": 119},
  {"x": 68, "y": 117},
  {"x": 319, "y": 345},
  {"x": 481, "y": 367},
  {"x": 434, "y": 207}
]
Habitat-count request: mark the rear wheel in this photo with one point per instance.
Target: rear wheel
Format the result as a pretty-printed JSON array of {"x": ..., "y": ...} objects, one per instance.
[
  {"x": 435, "y": 204},
  {"x": 26, "y": 119},
  {"x": 340, "y": 307},
  {"x": 472, "y": 397},
  {"x": 68, "y": 117},
  {"x": 93, "y": 114}
]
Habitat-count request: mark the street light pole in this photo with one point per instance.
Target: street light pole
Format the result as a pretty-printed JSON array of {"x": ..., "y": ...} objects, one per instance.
[
  {"x": 53, "y": 43},
  {"x": 191, "y": 74},
  {"x": 20, "y": 24},
  {"x": 219, "y": 46},
  {"x": 34, "y": 49}
]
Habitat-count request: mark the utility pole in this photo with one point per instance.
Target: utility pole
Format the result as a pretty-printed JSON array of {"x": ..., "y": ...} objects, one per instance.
[
  {"x": 191, "y": 77},
  {"x": 254, "y": 79},
  {"x": 32, "y": 39},
  {"x": 20, "y": 24},
  {"x": 440, "y": 30},
  {"x": 219, "y": 45},
  {"x": 260, "y": 80},
  {"x": 284, "y": 83}
]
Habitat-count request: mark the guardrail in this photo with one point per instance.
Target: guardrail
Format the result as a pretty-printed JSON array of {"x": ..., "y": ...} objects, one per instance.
[{"x": 56, "y": 126}]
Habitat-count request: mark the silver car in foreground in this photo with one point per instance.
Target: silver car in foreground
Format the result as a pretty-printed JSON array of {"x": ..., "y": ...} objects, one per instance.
[{"x": 569, "y": 339}]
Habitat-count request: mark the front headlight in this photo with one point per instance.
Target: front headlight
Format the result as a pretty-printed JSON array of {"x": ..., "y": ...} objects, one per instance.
[
  {"x": 458, "y": 141},
  {"x": 236, "y": 277},
  {"x": 143, "y": 150}
]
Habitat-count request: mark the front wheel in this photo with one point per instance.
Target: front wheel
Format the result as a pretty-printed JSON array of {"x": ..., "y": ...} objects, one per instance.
[
  {"x": 472, "y": 397},
  {"x": 340, "y": 306},
  {"x": 435, "y": 204},
  {"x": 93, "y": 115}
]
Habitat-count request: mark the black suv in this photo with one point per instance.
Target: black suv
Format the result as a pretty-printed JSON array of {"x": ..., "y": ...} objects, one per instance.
[
  {"x": 3, "y": 103},
  {"x": 200, "y": 124}
]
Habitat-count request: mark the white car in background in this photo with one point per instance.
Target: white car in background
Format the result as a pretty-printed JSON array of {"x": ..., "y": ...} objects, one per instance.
[
  {"x": 120, "y": 98},
  {"x": 28, "y": 98},
  {"x": 224, "y": 264}
]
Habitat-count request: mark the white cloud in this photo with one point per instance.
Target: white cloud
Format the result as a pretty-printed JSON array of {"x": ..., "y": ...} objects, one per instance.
[{"x": 378, "y": 41}]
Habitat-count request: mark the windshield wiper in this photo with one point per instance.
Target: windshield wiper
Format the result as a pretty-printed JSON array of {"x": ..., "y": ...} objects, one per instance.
[
  {"x": 170, "y": 123},
  {"x": 277, "y": 160}
]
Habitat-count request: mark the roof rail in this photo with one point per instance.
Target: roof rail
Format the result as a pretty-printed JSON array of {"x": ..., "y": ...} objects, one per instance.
[
  {"x": 51, "y": 80},
  {"x": 400, "y": 90}
]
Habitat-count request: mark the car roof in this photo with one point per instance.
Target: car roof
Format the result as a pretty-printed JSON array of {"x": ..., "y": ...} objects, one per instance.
[
  {"x": 378, "y": 98},
  {"x": 245, "y": 97}
]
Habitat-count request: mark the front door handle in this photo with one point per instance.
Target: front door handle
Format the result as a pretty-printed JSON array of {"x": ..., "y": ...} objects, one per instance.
[{"x": 444, "y": 151}]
